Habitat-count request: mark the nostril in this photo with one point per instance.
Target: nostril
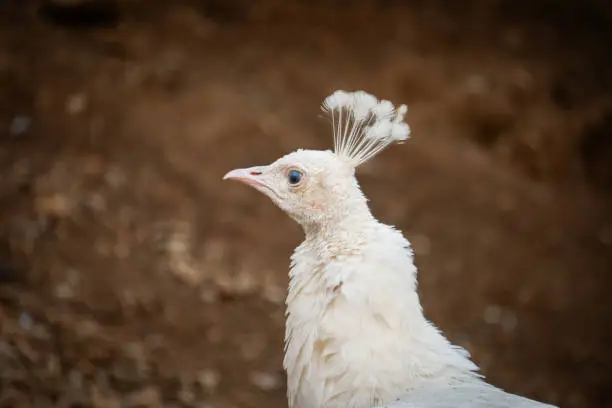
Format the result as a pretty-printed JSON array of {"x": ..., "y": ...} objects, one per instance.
[{"x": 255, "y": 173}]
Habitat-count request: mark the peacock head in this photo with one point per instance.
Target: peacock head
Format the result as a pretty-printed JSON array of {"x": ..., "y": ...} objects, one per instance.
[{"x": 314, "y": 186}]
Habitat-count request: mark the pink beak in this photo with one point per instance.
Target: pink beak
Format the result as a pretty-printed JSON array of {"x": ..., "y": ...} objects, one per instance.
[{"x": 251, "y": 176}]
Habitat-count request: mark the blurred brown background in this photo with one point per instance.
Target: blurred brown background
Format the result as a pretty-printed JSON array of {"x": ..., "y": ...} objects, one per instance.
[{"x": 132, "y": 276}]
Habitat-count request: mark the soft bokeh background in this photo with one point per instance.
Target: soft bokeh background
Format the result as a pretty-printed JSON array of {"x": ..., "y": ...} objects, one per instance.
[{"x": 132, "y": 276}]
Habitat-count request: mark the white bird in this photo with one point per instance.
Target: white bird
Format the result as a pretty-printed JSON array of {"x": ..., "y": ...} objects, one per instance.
[{"x": 356, "y": 336}]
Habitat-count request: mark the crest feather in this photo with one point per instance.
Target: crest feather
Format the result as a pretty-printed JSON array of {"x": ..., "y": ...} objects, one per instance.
[{"x": 363, "y": 126}]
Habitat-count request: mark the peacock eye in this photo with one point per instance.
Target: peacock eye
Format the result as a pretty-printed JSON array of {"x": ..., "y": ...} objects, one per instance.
[{"x": 294, "y": 177}]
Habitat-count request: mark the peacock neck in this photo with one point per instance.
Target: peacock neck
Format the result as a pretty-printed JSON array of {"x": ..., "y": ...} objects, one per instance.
[
  {"x": 353, "y": 307},
  {"x": 346, "y": 218}
]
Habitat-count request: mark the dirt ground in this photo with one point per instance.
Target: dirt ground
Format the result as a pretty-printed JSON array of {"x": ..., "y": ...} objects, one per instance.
[{"x": 132, "y": 276}]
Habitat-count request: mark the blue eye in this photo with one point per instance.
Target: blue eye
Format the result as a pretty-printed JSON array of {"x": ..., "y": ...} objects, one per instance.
[{"x": 294, "y": 177}]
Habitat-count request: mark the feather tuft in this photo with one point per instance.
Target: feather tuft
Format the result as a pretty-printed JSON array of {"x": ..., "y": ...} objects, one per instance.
[
  {"x": 379, "y": 130},
  {"x": 384, "y": 109},
  {"x": 400, "y": 132},
  {"x": 363, "y": 103},
  {"x": 363, "y": 126},
  {"x": 337, "y": 100}
]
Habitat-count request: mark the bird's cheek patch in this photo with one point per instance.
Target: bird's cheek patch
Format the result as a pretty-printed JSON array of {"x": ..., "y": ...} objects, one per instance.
[
  {"x": 317, "y": 206},
  {"x": 313, "y": 202},
  {"x": 317, "y": 199}
]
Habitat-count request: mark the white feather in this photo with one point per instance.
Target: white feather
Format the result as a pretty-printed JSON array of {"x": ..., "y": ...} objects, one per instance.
[
  {"x": 384, "y": 109},
  {"x": 379, "y": 130},
  {"x": 400, "y": 132},
  {"x": 401, "y": 112},
  {"x": 364, "y": 126},
  {"x": 363, "y": 104},
  {"x": 338, "y": 100},
  {"x": 356, "y": 336},
  {"x": 462, "y": 395}
]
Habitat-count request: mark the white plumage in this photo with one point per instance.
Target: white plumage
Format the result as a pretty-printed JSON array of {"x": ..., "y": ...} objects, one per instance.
[{"x": 356, "y": 336}]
